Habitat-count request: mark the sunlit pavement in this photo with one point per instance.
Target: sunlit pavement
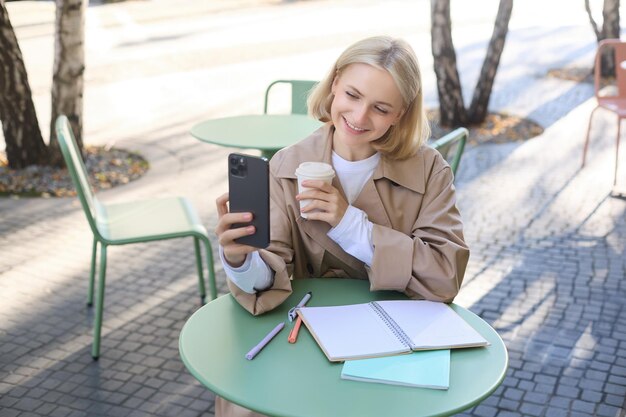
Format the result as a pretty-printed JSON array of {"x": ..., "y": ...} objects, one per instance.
[{"x": 548, "y": 240}]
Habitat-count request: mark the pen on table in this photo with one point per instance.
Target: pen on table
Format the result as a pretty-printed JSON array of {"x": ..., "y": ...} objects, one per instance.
[
  {"x": 255, "y": 350},
  {"x": 293, "y": 335},
  {"x": 302, "y": 303}
]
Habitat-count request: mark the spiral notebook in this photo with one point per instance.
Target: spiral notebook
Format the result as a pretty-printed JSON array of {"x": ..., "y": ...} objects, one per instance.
[{"x": 384, "y": 328}]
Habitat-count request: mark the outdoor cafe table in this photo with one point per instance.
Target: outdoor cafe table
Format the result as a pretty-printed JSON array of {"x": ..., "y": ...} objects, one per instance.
[
  {"x": 297, "y": 380},
  {"x": 267, "y": 132}
]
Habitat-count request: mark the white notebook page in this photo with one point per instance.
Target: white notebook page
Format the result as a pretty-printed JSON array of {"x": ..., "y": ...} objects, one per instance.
[
  {"x": 430, "y": 324},
  {"x": 343, "y": 336}
]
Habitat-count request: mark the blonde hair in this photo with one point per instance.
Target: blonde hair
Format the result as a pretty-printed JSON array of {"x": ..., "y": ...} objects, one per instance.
[{"x": 396, "y": 57}]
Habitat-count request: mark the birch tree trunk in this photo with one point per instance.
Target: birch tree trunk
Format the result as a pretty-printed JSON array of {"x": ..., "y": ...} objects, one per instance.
[
  {"x": 452, "y": 111},
  {"x": 22, "y": 136},
  {"x": 610, "y": 30},
  {"x": 451, "y": 106},
  {"x": 482, "y": 92},
  {"x": 69, "y": 67}
]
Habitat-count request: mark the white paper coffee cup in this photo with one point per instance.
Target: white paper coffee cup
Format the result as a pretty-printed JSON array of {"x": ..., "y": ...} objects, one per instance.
[{"x": 312, "y": 171}]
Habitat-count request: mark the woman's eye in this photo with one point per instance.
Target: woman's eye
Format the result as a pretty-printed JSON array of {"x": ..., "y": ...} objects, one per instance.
[
  {"x": 351, "y": 95},
  {"x": 381, "y": 110}
]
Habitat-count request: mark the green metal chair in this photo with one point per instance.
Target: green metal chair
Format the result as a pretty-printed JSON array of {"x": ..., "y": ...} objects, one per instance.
[
  {"x": 451, "y": 147},
  {"x": 299, "y": 94},
  {"x": 129, "y": 222}
]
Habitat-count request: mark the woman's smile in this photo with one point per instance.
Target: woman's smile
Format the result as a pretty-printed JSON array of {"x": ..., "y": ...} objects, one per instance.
[{"x": 353, "y": 127}]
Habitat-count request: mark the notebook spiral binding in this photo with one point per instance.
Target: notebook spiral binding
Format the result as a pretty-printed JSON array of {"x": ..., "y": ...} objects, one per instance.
[{"x": 393, "y": 326}]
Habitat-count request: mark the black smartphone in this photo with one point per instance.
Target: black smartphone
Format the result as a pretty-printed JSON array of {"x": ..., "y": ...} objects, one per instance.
[{"x": 249, "y": 191}]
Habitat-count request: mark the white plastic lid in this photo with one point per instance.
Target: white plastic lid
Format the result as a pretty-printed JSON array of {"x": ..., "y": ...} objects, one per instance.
[{"x": 315, "y": 170}]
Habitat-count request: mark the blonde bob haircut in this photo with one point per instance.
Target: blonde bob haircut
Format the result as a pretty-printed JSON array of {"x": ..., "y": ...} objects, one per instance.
[{"x": 396, "y": 57}]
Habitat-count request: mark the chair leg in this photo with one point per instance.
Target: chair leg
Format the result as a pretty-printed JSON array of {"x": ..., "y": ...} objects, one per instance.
[
  {"x": 201, "y": 287},
  {"x": 619, "y": 124},
  {"x": 211, "y": 268},
  {"x": 587, "y": 137},
  {"x": 97, "y": 323},
  {"x": 92, "y": 275}
]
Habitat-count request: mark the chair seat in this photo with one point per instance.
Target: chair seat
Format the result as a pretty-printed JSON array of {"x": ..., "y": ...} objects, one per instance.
[
  {"x": 614, "y": 104},
  {"x": 154, "y": 219}
]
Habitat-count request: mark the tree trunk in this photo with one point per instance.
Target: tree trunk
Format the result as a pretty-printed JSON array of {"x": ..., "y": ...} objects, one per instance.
[
  {"x": 482, "y": 92},
  {"x": 22, "y": 136},
  {"x": 69, "y": 67},
  {"x": 610, "y": 30},
  {"x": 452, "y": 111},
  {"x": 594, "y": 25}
]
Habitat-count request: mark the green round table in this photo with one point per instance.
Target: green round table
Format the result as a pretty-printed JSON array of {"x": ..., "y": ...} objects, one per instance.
[
  {"x": 297, "y": 380},
  {"x": 267, "y": 132}
]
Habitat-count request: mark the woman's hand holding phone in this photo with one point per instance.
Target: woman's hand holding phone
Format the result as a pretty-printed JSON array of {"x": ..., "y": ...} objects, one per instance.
[{"x": 234, "y": 253}]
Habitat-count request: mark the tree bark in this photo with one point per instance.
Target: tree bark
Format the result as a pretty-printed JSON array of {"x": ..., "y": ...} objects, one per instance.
[
  {"x": 22, "y": 136},
  {"x": 610, "y": 30},
  {"x": 594, "y": 25},
  {"x": 480, "y": 100},
  {"x": 452, "y": 110},
  {"x": 69, "y": 68}
]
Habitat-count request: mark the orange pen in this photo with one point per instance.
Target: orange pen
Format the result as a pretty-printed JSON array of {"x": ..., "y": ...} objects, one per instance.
[{"x": 293, "y": 335}]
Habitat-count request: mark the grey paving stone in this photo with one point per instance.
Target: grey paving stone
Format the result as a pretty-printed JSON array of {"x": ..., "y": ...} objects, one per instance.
[
  {"x": 5, "y": 412},
  {"x": 615, "y": 400},
  {"x": 583, "y": 406},
  {"x": 529, "y": 409},
  {"x": 506, "y": 413}
]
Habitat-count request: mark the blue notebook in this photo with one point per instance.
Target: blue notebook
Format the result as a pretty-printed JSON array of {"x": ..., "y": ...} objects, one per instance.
[{"x": 426, "y": 369}]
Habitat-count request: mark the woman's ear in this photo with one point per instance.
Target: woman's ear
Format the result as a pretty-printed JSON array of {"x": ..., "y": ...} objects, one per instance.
[{"x": 333, "y": 86}]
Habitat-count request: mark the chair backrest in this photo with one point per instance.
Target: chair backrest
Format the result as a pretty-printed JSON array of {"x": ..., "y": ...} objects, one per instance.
[
  {"x": 619, "y": 53},
  {"x": 299, "y": 94},
  {"x": 451, "y": 147},
  {"x": 78, "y": 173}
]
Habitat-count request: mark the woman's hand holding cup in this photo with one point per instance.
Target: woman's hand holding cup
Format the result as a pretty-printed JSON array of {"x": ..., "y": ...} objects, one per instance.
[
  {"x": 319, "y": 200},
  {"x": 325, "y": 203}
]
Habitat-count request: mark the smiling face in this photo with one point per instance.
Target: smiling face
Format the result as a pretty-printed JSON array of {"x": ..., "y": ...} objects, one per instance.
[{"x": 366, "y": 103}]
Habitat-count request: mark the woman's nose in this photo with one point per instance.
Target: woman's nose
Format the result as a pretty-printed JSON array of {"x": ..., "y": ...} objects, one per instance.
[{"x": 360, "y": 114}]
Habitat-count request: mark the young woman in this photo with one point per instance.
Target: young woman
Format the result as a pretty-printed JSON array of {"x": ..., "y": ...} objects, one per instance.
[{"x": 390, "y": 214}]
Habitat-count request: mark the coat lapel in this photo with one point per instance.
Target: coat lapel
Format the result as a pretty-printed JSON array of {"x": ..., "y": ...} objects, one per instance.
[
  {"x": 319, "y": 148},
  {"x": 317, "y": 231},
  {"x": 370, "y": 202}
]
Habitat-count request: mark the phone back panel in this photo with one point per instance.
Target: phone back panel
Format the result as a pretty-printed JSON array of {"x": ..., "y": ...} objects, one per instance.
[{"x": 248, "y": 185}]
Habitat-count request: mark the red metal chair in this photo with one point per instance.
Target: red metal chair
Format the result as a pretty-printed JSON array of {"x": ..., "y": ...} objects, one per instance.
[{"x": 614, "y": 101}]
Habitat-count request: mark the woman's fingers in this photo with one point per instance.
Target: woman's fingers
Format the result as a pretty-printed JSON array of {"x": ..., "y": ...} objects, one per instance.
[
  {"x": 234, "y": 252},
  {"x": 314, "y": 195},
  {"x": 320, "y": 185},
  {"x": 237, "y": 250},
  {"x": 222, "y": 204},
  {"x": 226, "y": 221},
  {"x": 228, "y": 236}
]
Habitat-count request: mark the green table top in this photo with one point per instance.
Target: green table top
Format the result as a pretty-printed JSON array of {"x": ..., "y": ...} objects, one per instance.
[
  {"x": 266, "y": 132},
  {"x": 297, "y": 380}
]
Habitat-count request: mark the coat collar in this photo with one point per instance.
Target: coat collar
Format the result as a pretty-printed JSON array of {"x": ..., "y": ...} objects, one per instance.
[{"x": 409, "y": 173}]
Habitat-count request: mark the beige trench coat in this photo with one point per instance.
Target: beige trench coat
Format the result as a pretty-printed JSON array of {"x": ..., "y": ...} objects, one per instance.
[{"x": 419, "y": 247}]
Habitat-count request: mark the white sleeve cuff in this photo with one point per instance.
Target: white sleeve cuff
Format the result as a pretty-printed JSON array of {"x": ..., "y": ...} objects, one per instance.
[
  {"x": 254, "y": 275},
  {"x": 354, "y": 235}
]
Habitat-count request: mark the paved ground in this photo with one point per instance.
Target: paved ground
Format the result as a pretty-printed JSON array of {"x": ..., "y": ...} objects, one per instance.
[{"x": 548, "y": 241}]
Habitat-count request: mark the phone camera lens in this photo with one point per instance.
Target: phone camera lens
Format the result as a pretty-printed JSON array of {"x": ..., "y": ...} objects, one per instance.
[{"x": 234, "y": 171}]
